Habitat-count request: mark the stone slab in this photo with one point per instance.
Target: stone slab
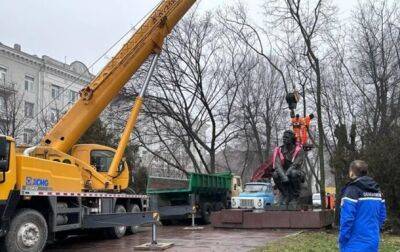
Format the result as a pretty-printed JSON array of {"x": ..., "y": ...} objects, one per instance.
[
  {"x": 154, "y": 247},
  {"x": 273, "y": 219},
  {"x": 234, "y": 216}
]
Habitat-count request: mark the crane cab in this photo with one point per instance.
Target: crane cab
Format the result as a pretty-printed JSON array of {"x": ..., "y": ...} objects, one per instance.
[{"x": 100, "y": 157}]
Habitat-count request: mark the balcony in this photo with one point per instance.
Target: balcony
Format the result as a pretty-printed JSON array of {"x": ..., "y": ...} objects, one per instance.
[{"x": 7, "y": 87}]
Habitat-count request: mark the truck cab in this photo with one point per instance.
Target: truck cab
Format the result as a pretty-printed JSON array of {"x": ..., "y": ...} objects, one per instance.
[{"x": 256, "y": 195}]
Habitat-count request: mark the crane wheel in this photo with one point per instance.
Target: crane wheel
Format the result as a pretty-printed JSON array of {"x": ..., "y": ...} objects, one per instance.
[
  {"x": 28, "y": 232},
  {"x": 119, "y": 231},
  {"x": 133, "y": 208}
]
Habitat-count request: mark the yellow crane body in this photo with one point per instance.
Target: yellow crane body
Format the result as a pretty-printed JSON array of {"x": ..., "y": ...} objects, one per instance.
[
  {"x": 61, "y": 186},
  {"x": 146, "y": 40},
  {"x": 30, "y": 168}
]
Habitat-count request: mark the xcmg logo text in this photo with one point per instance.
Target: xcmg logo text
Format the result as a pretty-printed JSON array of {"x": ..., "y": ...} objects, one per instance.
[{"x": 29, "y": 181}]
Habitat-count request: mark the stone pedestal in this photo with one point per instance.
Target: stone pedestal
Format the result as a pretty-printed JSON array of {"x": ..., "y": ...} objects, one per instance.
[{"x": 238, "y": 218}]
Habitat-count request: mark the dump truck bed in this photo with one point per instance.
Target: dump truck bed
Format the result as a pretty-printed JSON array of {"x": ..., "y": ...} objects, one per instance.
[{"x": 195, "y": 183}]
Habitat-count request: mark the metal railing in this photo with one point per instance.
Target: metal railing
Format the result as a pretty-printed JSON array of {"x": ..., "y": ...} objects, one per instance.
[{"x": 7, "y": 86}]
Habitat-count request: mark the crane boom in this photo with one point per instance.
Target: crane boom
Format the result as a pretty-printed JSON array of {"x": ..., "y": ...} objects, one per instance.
[
  {"x": 82, "y": 178},
  {"x": 148, "y": 39}
]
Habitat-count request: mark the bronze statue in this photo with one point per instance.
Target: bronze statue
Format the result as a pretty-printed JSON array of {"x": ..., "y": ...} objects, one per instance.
[{"x": 288, "y": 174}]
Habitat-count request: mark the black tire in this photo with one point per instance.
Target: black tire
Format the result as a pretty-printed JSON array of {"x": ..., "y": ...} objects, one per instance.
[
  {"x": 133, "y": 208},
  {"x": 28, "y": 232},
  {"x": 120, "y": 231},
  {"x": 206, "y": 210}
]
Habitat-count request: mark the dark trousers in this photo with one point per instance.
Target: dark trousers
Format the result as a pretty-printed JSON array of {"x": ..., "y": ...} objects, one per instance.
[{"x": 290, "y": 190}]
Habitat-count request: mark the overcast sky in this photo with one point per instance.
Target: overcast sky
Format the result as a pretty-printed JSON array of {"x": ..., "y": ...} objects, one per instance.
[{"x": 84, "y": 29}]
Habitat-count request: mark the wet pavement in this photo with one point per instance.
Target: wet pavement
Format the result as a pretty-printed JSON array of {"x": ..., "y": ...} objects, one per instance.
[{"x": 208, "y": 239}]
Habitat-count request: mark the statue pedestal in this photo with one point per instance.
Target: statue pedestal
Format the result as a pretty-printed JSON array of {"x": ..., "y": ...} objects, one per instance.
[
  {"x": 290, "y": 207},
  {"x": 242, "y": 218}
]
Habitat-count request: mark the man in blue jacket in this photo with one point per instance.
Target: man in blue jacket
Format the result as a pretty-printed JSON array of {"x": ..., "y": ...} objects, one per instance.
[{"x": 363, "y": 211}]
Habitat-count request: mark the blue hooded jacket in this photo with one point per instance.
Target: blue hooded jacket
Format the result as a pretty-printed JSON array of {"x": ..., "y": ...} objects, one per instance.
[{"x": 363, "y": 212}]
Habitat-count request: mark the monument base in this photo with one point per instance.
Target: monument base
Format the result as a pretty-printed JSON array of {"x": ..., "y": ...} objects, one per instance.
[{"x": 243, "y": 218}]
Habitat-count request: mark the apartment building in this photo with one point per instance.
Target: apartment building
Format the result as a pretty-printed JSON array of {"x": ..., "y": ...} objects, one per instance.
[{"x": 35, "y": 92}]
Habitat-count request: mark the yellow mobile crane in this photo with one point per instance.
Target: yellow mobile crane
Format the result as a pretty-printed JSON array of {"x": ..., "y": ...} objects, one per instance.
[{"x": 59, "y": 186}]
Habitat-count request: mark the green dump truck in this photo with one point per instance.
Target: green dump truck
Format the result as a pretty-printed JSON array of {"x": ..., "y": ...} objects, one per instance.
[{"x": 199, "y": 194}]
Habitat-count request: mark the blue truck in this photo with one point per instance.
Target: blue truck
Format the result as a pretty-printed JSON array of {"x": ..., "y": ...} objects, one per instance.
[{"x": 256, "y": 195}]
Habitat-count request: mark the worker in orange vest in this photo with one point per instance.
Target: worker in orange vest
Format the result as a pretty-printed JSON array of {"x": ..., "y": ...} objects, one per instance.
[{"x": 300, "y": 127}]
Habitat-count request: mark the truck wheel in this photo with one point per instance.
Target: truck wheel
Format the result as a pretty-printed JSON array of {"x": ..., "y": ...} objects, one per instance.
[
  {"x": 133, "y": 209},
  {"x": 206, "y": 210},
  {"x": 119, "y": 231},
  {"x": 27, "y": 233}
]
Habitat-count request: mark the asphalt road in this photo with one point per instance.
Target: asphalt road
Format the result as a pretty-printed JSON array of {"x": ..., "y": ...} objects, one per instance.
[{"x": 208, "y": 239}]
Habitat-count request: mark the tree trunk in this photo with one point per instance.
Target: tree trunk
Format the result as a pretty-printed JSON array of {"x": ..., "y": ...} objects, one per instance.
[{"x": 321, "y": 135}]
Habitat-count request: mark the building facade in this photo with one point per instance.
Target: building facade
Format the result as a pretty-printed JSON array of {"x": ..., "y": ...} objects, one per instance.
[{"x": 35, "y": 92}]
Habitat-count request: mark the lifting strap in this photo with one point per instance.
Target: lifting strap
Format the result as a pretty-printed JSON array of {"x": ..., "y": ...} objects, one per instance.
[{"x": 278, "y": 152}]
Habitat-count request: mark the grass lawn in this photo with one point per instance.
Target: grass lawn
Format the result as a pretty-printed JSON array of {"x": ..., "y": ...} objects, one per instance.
[{"x": 322, "y": 241}]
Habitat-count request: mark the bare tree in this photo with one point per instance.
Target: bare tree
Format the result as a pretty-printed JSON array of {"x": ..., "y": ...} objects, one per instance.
[
  {"x": 376, "y": 57},
  {"x": 12, "y": 110},
  {"x": 311, "y": 19},
  {"x": 260, "y": 103},
  {"x": 292, "y": 31},
  {"x": 189, "y": 109},
  {"x": 48, "y": 116}
]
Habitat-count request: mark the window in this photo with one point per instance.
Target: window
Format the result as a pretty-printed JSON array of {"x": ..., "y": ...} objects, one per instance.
[
  {"x": 254, "y": 188},
  {"x": 3, "y": 103},
  {"x": 102, "y": 159},
  {"x": 3, "y": 73},
  {"x": 3, "y": 127},
  {"x": 73, "y": 96},
  {"x": 29, "y": 107},
  {"x": 54, "y": 115},
  {"x": 28, "y": 136},
  {"x": 56, "y": 92},
  {"x": 29, "y": 84},
  {"x": 237, "y": 180},
  {"x": 5, "y": 145}
]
